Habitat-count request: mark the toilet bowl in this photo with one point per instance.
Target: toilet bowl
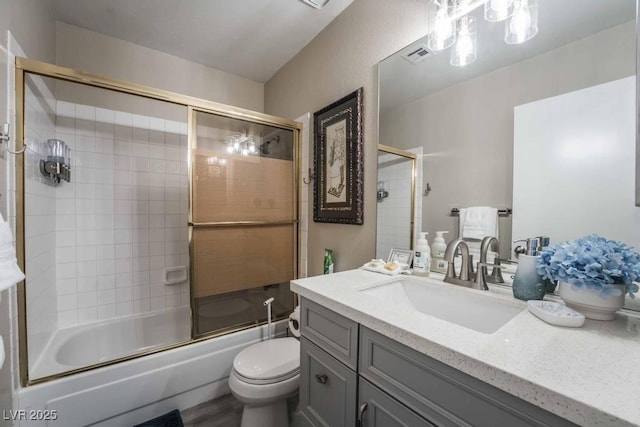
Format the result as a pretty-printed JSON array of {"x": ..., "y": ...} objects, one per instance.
[{"x": 263, "y": 377}]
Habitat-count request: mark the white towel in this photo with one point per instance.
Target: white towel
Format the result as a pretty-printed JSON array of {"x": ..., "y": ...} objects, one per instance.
[
  {"x": 478, "y": 222},
  {"x": 10, "y": 274},
  {"x": 1, "y": 352}
]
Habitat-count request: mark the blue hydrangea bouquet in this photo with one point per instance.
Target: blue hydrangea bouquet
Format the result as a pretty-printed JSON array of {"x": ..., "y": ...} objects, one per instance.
[{"x": 592, "y": 262}]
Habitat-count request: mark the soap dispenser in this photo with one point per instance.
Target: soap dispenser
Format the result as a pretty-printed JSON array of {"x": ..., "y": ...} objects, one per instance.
[
  {"x": 528, "y": 284},
  {"x": 422, "y": 259},
  {"x": 438, "y": 248}
]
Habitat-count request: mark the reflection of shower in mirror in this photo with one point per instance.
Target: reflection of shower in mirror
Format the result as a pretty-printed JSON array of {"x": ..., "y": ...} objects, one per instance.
[
  {"x": 382, "y": 193},
  {"x": 264, "y": 147}
]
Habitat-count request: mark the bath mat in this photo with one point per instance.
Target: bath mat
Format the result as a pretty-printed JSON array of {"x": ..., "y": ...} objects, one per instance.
[{"x": 170, "y": 419}]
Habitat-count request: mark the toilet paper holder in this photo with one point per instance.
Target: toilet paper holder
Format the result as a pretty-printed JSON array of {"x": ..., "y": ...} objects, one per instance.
[{"x": 294, "y": 322}]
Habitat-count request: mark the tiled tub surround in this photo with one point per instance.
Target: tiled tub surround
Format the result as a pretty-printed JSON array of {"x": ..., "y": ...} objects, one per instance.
[
  {"x": 123, "y": 218},
  {"x": 40, "y": 226},
  {"x": 580, "y": 374}
]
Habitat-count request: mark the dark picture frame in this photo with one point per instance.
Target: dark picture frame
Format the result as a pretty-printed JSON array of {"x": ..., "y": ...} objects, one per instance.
[{"x": 338, "y": 161}]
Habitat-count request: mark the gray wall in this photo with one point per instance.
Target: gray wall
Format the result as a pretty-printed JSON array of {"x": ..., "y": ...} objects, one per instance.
[
  {"x": 340, "y": 59},
  {"x": 96, "y": 53},
  {"x": 470, "y": 155}
]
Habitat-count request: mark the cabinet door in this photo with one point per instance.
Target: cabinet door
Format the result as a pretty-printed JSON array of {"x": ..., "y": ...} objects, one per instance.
[
  {"x": 378, "y": 409},
  {"x": 327, "y": 388},
  {"x": 332, "y": 332},
  {"x": 442, "y": 394}
]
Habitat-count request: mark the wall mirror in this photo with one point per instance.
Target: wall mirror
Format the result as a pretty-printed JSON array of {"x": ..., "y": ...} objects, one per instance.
[{"x": 546, "y": 127}]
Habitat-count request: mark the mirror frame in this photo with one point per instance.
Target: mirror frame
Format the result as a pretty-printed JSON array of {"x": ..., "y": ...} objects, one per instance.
[
  {"x": 637, "y": 103},
  {"x": 413, "y": 157}
]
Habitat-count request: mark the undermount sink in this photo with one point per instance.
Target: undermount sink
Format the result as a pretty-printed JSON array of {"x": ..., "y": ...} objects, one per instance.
[{"x": 464, "y": 307}]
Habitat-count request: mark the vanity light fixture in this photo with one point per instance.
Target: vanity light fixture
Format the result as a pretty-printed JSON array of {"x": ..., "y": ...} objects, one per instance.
[
  {"x": 465, "y": 51},
  {"x": 499, "y": 10},
  {"x": 451, "y": 25},
  {"x": 523, "y": 25},
  {"x": 443, "y": 33}
]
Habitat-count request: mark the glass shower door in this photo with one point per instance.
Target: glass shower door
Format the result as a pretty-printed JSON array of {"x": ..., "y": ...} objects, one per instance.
[
  {"x": 106, "y": 246},
  {"x": 243, "y": 222}
]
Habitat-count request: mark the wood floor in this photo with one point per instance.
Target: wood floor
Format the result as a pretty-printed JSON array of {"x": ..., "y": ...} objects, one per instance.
[{"x": 225, "y": 411}]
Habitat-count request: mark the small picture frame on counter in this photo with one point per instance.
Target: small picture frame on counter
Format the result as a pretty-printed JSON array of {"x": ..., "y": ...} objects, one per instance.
[{"x": 404, "y": 256}]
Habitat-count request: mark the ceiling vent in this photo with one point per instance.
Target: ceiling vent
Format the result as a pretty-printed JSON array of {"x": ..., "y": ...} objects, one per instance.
[
  {"x": 316, "y": 4},
  {"x": 416, "y": 54}
]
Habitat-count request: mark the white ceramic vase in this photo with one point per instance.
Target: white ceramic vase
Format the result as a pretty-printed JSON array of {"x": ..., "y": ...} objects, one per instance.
[{"x": 589, "y": 301}]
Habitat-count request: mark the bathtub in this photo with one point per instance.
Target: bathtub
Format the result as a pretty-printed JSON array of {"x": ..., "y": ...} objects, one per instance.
[
  {"x": 99, "y": 342},
  {"x": 136, "y": 390}
]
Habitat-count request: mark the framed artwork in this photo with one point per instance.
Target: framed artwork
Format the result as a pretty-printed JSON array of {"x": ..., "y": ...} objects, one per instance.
[
  {"x": 401, "y": 255},
  {"x": 337, "y": 161}
]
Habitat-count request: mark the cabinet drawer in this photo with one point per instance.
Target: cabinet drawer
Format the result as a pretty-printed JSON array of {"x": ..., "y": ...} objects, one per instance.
[
  {"x": 327, "y": 388},
  {"x": 330, "y": 331},
  {"x": 381, "y": 410},
  {"x": 441, "y": 393}
]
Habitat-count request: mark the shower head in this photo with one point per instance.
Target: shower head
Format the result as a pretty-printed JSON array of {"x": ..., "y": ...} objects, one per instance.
[{"x": 264, "y": 148}]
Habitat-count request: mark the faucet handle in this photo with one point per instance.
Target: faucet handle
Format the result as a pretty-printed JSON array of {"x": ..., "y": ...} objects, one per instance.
[
  {"x": 496, "y": 273},
  {"x": 480, "y": 280}
]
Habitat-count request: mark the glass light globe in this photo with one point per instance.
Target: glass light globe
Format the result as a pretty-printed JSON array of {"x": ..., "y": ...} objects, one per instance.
[
  {"x": 499, "y": 10},
  {"x": 442, "y": 28},
  {"x": 465, "y": 51},
  {"x": 523, "y": 25}
]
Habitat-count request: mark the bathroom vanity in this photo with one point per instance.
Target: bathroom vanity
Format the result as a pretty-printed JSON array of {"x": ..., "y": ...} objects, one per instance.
[{"x": 381, "y": 351}]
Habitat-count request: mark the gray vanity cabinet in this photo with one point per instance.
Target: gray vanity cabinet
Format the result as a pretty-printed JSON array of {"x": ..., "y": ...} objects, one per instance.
[
  {"x": 327, "y": 388},
  {"x": 378, "y": 409},
  {"x": 395, "y": 385},
  {"x": 441, "y": 394},
  {"x": 328, "y": 366}
]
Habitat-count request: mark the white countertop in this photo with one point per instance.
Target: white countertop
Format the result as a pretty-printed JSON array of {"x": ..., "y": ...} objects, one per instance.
[{"x": 588, "y": 375}]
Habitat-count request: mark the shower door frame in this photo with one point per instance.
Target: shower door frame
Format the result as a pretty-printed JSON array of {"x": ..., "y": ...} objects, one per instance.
[{"x": 25, "y": 66}]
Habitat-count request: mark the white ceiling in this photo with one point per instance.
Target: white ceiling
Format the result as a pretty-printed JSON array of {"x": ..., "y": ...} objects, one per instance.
[
  {"x": 249, "y": 38},
  {"x": 559, "y": 21}
]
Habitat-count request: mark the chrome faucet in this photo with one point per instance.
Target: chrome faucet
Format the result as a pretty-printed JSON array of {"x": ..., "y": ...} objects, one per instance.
[
  {"x": 466, "y": 269},
  {"x": 467, "y": 277},
  {"x": 492, "y": 243},
  {"x": 449, "y": 256}
]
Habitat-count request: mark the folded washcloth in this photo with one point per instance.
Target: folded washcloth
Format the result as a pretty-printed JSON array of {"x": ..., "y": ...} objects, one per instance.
[
  {"x": 5, "y": 233},
  {"x": 10, "y": 274},
  {"x": 477, "y": 222},
  {"x": 1, "y": 352}
]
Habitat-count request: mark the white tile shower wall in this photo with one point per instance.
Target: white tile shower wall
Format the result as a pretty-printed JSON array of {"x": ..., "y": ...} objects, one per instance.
[
  {"x": 123, "y": 218},
  {"x": 40, "y": 226}
]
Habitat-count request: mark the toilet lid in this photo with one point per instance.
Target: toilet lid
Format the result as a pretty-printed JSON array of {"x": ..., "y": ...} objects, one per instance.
[{"x": 269, "y": 361}]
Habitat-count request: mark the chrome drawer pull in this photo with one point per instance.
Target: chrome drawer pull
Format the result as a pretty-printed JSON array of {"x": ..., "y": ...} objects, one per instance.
[
  {"x": 322, "y": 379},
  {"x": 360, "y": 420}
]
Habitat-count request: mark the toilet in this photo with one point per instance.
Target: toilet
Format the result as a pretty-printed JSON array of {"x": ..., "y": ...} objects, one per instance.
[{"x": 263, "y": 377}]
